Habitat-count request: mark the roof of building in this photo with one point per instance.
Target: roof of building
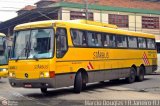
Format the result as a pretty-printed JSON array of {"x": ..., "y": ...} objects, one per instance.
[
  {"x": 34, "y": 15},
  {"x": 105, "y": 8},
  {"x": 140, "y": 4},
  {"x": 134, "y": 6},
  {"x": 28, "y": 7},
  {"x": 47, "y": 0}
]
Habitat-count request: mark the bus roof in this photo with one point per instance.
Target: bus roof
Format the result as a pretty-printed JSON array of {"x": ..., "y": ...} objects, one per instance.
[
  {"x": 82, "y": 24},
  {"x": 1, "y": 34}
]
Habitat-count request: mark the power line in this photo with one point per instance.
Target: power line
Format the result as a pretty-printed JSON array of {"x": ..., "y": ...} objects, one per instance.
[
  {"x": 31, "y": 18},
  {"x": 9, "y": 10}
]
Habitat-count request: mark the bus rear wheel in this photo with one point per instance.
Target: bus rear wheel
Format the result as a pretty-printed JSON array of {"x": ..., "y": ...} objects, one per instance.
[
  {"x": 140, "y": 77},
  {"x": 78, "y": 83},
  {"x": 44, "y": 90},
  {"x": 132, "y": 76}
]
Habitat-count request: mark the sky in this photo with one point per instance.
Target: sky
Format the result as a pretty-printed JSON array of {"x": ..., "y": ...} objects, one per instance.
[{"x": 8, "y": 8}]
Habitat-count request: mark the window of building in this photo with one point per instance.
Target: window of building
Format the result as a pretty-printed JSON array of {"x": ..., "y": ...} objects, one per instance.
[
  {"x": 121, "y": 41},
  {"x": 78, "y": 37},
  {"x": 151, "y": 43},
  {"x": 80, "y": 15},
  {"x": 150, "y": 22},
  {"x": 132, "y": 42},
  {"x": 109, "y": 40},
  {"x": 141, "y": 42},
  {"x": 94, "y": 40},
  {"x": 119, "y": 20}
]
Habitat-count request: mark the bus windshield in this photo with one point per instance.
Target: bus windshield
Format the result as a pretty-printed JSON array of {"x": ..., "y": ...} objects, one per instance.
[
  {"x": 31, "y": 44},
  {"x": 3, "y": 51}
]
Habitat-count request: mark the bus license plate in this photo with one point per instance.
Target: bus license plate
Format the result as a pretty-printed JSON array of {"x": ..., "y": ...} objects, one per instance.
[{"x": 27, "y": 85}]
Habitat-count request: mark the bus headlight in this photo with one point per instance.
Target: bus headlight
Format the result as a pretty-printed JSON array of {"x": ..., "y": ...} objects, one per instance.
[
  {"x": 4, "y": 70},
  {"x": 49, "y": 74},
  {"x": 44, "y": 75},
  {"x": 12, "y": 74},
  {"x": 41, "y": 75}
]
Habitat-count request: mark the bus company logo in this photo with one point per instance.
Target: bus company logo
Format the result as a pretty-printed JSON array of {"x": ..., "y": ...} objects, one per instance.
[
  {"x": 90, "y": 66},
  {"x": 26, "y": 75},
  {"x": 12, "y": 67},
  {"x": 145, "y": 59},
  {"x": 100, "y": 55}
]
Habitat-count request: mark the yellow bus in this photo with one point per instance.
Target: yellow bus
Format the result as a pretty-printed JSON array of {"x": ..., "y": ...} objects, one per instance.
[
  {"x": 53, "y": 54},
  {"x": 3, "y": 56}
]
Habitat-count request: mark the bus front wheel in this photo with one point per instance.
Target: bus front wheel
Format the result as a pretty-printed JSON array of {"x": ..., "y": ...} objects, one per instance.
[
  {"x": 132, "y": 75},
  {"x": 78, "y": 83}
]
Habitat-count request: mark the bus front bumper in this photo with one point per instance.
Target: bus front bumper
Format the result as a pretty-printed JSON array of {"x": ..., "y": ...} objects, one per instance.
[{"x": 33, "y": 83}]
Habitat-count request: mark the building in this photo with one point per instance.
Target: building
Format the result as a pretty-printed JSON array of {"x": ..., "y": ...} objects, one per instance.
[
  {"x": 25, "y": 9},
  {"x": 133, "y": 15}
]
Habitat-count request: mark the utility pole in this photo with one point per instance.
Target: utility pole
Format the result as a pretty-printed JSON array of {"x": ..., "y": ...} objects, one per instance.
[{"x": 86, "y": 7}]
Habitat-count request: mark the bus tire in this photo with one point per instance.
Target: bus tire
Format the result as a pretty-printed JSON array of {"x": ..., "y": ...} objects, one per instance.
[
  {"x": 84, "y": 80},
  {"x": 132, "y": 75},
  {"x": 44, "y": 90},
  {"x": 140, "y": 77},
  {"x": 78, "y": 83}
]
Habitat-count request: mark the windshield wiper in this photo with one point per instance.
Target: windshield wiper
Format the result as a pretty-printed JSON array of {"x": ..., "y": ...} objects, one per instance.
[
  {"x": 21, "y": 54},
  {"x": 24, "y": 49}
]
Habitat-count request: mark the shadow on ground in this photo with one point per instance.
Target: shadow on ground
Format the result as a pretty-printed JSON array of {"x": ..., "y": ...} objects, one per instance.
[{"x": 69, "y": 90}]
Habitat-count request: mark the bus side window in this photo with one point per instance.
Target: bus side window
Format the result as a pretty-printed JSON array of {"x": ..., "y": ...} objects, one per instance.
[
  {"x": 121, "y": 41},
  {"x": 150, "y": 43},
  {"x": 78, "y": 37},
  {"x": 106, "y": 41},
  {"x": 99, "y": 39},
  {"x": 90, "y": 38},
  {"x": 94, "y": 39},
  {"x": 141, "y": 43},
  {"x": 61, "y": 42},
  {"x": 132, "y": 42},
  {"x": 112, "y": 41}
]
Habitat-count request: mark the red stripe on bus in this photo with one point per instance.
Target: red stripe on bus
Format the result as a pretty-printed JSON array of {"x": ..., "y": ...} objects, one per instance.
[{"x": 91, "y": 65}]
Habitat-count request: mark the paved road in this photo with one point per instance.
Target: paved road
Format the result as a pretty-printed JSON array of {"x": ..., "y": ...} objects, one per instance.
[{"x": 149, "y": 89}]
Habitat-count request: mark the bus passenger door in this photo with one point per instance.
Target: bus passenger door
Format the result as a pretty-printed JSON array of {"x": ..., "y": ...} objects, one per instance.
[{"x": 62, "y": 66}]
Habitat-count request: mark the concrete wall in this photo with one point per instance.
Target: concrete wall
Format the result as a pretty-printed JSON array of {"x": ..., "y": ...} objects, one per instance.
[{"x": 65, "y": 14}]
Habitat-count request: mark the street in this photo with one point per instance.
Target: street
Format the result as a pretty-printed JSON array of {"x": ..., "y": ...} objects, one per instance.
[{"x": 149, "y": 89}]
